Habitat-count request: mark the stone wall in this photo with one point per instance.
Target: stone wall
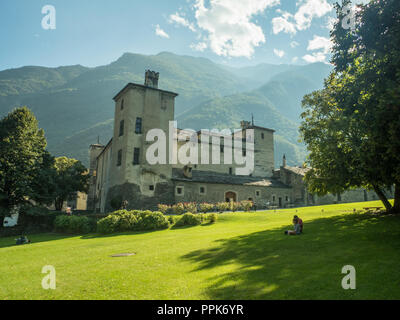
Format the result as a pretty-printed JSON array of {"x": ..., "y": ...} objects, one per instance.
[
  {"x": 130, "y": 192},
  {"x": 358, "y": 195},
  {"x": 216, "y": 193}
]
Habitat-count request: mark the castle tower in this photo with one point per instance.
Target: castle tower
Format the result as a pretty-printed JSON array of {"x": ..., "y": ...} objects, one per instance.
[
  {"x": 139, "y": 109},
  {"x": 263, "y": 149}
]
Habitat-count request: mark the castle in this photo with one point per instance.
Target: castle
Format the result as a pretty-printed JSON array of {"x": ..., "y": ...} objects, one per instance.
[{"x": 120, "y": 171}]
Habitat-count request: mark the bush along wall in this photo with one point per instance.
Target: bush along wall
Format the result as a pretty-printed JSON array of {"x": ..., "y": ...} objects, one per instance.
[
  {"x": 192, "y": 207},
  {"x": 73, "y": 224},
  {"x": 136, "y": 220},
  {"x": 190, "y": 219}
]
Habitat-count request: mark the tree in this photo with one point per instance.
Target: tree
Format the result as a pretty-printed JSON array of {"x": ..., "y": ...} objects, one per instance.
[
  {"x": 352, "y": 125},
  {"x": 44, "y": 184},
  {"x": 22, "y": 146},
  {"x": 71, "y": 176}
]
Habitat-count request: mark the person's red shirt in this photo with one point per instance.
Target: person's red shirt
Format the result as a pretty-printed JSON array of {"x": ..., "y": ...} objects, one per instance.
[{"x": 301, "y": 224}]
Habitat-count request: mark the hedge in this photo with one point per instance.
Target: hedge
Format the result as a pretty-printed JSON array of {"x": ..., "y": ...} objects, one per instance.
[
  {"x": 136, "y": 220},
  {"x": 72, "y": 224}
]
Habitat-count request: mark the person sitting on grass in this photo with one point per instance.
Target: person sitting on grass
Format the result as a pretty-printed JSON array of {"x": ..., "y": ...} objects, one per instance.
[
  {"x": 300, "y": 222},
  {"x": 297, "y": 228},
  {"x": 22, "y": 240}
]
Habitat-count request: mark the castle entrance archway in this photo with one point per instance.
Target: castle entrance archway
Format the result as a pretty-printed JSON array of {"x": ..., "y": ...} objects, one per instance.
[{"x": 230, "y": 196}]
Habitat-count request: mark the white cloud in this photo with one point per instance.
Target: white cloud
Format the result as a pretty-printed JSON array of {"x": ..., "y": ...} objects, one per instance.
[
  {"x": 315, "y": 57},
  {"x": 318, "y": 43},
  {"x": 295, "y": 59},
  {"x": 160, "y": 32},
  {"x": 310, "y": 9},
  {"x": 201, "y": 46},
  {"x": 230, "y": 31},
  {"x": 178, "y": 19},
  {"x": 294, "y": 44},
  {"x": 302, "y": 19},
  {"x": 279, "y": 53},
  {"x": 282, "y": 24}
]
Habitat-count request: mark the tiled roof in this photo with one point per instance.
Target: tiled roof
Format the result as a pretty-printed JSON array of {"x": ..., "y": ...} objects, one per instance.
[
  {"x": 297, "y": 170},
  {"x": 221, "y": 178},
  {"x": 133, "y": 85}
]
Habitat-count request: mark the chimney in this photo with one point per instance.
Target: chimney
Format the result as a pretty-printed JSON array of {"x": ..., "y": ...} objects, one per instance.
[
  {"x": 151, "y": 79},
  {"x": 284, "y": 160},
  {"x": 245, "y": 124}
]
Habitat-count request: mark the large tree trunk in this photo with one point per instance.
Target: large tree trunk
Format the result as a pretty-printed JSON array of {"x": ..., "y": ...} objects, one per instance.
[
  {"x": 396, "y": 207},
  {"x": 59, "y": 202},
  {"x": 383, "y": 198}
]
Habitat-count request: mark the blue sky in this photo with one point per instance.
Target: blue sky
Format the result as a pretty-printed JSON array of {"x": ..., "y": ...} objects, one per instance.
[{"x": 234, "y": 32}]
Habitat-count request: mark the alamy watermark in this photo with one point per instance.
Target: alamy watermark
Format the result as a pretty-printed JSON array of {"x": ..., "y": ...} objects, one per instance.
[
  {"x": 49, "y": 20},
  {"x": 49, "y": 281},
  {"x": 349, "y": 19},
  {"x": 349, "y": 281}
]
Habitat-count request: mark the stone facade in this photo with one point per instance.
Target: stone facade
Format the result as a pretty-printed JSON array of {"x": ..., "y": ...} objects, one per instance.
[
  {"x": 294, "y": 178},
  {"x": 120, "y": 172}
]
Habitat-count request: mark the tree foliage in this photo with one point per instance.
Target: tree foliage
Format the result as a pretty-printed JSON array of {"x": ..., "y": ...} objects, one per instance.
[
  {"x": 27, "y": 171},
  {"x": 71, "y": 176},
  {"x": 22, "y": 147},
  {"x": 352, "y": 126}
]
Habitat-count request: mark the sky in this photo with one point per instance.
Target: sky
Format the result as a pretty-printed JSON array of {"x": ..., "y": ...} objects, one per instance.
[{"x": 233, "y": 32}]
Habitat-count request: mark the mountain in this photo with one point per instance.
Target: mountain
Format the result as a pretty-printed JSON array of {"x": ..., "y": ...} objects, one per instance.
[
  {"x": 287, "y": 89},
  {"x": 256, "y": 76},
  {"x": 74, "y": 104},
  {"x": 36, "y": 79},
  {"x": 276, "y": 105},
  {"x": 70, "y": 100}
]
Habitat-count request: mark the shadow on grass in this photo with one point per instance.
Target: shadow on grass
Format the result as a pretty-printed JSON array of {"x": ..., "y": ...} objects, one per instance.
[
  {"x": 174, "y": 227},
  {"x": 129, "y": 233},
  {"x": 117, "y": 234},
  {"x": 45, "y": 237},
  {"x": 7, "y": 242},
  {"x": 270, "y": 265}
]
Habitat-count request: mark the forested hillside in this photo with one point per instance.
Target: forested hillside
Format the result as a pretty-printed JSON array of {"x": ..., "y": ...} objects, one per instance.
[{"x": 74, "y": 104}]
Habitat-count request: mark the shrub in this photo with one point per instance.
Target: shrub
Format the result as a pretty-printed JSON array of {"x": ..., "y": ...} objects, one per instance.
[
  {"x": 212, "y": 217},
  {"x": 189, "y": 219},
  {"x": 178, "y": 208},
  {"x": 61, "y": 223},
  {"x": 223, "y": 206},
  {"x": 127, "y": 222},
  {"x": 173, "y": 219},
  {"x": 151, "y": 221},
  {"x": 247, "y": 205},
  {"x": 235, "y": 206},
  {"x": 135, "y": 220},
  {"x": 108, "y": 224},
  {"x": 206, "y": 207},
  {"x": 72, "y": 224},
  {"x": 190, "y": 207},
  {"x": 120, "y": 212},
  {"x": 164, "y": 208}
]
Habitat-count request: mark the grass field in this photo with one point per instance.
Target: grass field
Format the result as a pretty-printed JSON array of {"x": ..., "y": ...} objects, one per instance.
[{"x": 242, "y": 256}]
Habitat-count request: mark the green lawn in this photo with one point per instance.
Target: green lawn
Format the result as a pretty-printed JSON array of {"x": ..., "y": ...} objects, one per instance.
[{"x": 242, "y": 256}]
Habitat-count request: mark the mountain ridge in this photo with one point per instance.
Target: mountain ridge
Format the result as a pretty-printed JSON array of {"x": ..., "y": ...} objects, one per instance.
[{"x": 74, "y": 103}]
